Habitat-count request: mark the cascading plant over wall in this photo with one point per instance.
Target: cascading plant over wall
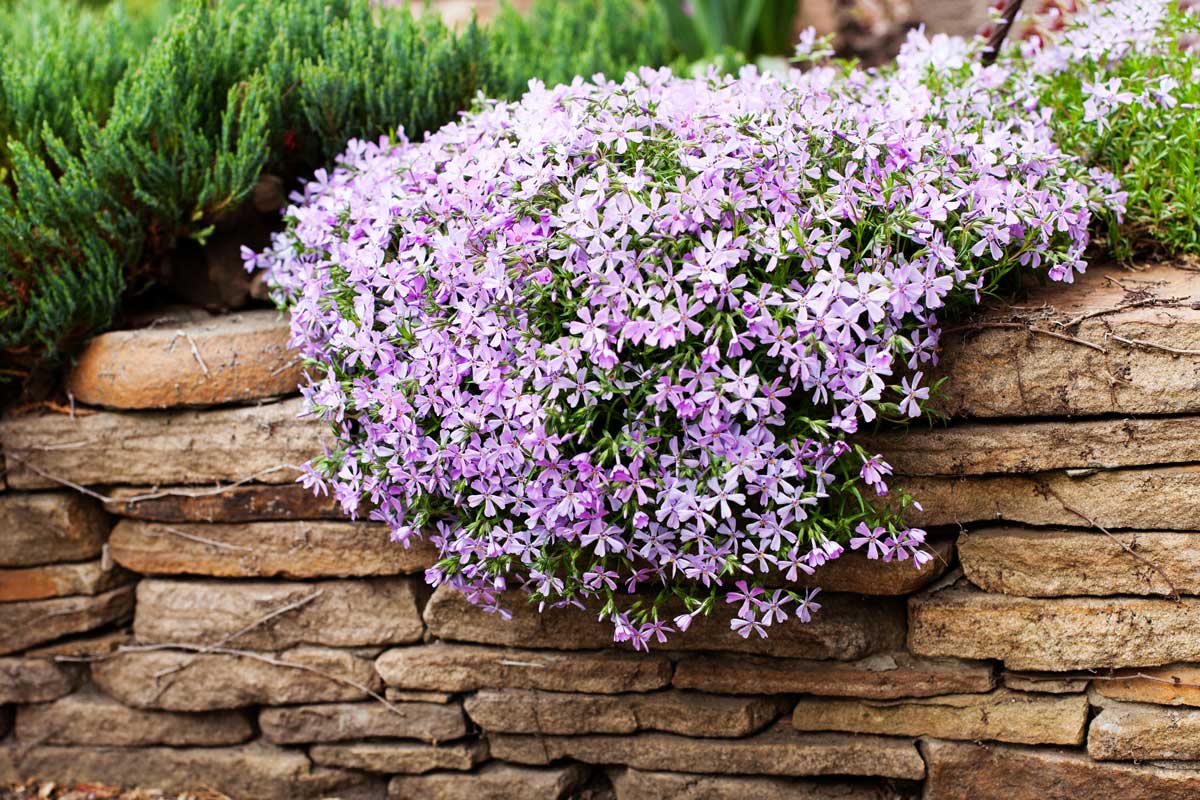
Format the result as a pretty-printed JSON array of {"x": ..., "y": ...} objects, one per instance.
[{"x": 612, "y": 343}]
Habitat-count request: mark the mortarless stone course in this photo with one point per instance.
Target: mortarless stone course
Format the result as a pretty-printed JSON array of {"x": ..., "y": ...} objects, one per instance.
[
  {"x": 234, "y": 504},
  {"x": 60, "y": 580},
  {"x": 1137, "y": 732},
  {"x": 493, "y": 781},
  {"x": 1173, "y": 685},
  {"x": 35, "y": 680},
  {"x": 338, "y": 722},
  {"x": 39, "y": 621},
  {"x": 408, "y": 758},
  {"x": 49, "y": 527},
  {"x": 636, "y": 784}
]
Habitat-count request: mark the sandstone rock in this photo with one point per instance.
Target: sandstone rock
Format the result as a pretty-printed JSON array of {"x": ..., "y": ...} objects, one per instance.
[
  {"x": 983, "y": 449},
  {"x": 1012, "y": 372},
  {"x": 1044, "y": 682},
  {"x": 962, "y": 771},
  {"x": 35, "y": 680},
  {"x": 347, "y": 613},
  {"x": 266, "y": 549},
  {"x": 854, "y": 573},
  {"x": 1002, "y": 715},
  {"x": 464, "y": 668},
  {"x": 49, "y": 527},
  {"x": 400, "y": 757},
  {"x": 85, "y": 646},
  {"x": 685, "y": 713},
  {"x": 491, "y": 782},
  {"x": 59, "y": 580},
  {"x": 777, "y": 751},
  {"x": 1174, "y": 685},
  {"x": 1054, "y": 563},
  {"x": 847, "y": 628},
  {"x": 1137, "y": 732},
  {"x": 636, "y": 784},
  {"x": 251, "y": 771},
  {"x": 224, "y": 359},
  {"x": 247, "y": 503},
  {"x": 401, "y": 696},
  {"x": 31, "y": 623},
  {"x": 90, "y": 718},
  {"x": 162, "y": 448},
  {"x": 1058, "y": 634},
  {"x": 178, "y": 681},
  {"x": 879, "y": 677},
  {"x": 338, "y": 722},
  {"x": 1165, "y": 498}
]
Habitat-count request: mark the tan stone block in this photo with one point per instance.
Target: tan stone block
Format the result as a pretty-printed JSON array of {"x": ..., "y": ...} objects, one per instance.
[
  {"x": 1138, "y": 732},
  {"x": 222, "y": 359},
  {"x": 246, "y": 503},
  {"x": 339, "y": 722},
  {"x": 492, "y": 781},
  {"x": 1173, "y": 685},
  {"x": 49, "y": 527},
  {"x": 400, "y": 757},
  {"x": 636, "y": 784},
  {"x": 60, "y": 580},
  {"x": 35, "y": 680},
  {"x": 39, "y": 621}
]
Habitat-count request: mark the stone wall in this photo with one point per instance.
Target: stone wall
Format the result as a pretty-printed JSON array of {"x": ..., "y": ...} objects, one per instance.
[{"x": 176, "y": 612}]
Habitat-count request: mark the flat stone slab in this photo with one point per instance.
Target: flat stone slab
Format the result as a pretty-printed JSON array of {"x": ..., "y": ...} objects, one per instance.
[
  {"x": 49, "y": 527},
  {"x": 60, "y": 580},
  {"x": 778, "y": 751},
  {"x": 464, "y": 667},
  {"x": 266, "y": 549},
  {"x": 1059, "y": 634},
  {"x": 963, "y": 771},
  {"x": 1011, "y": 371},
  {"x": 40, "y": 621},
  {"x": 35, "y": 680},
  {"x": 1043, "y": 682},
  {"x": 339, "y": 722},
  {"x": 1172, "y": 685},
  {"x": 406, "y": 758},
  {"x": 847, "y": 628},
  {"x": 265, "y": 443},
  {"x": 492, "y": 781},
  {"x": 1057, "y": 563},
  {"x": 274, "y": 615},
  {"x": 1002, "y": 716},
  {"x": 222, "y": 359},
  {"x": 880, "y": 677},
  {"x": 1138, "y": 732},
  {"x": 854, "y": 573},
  {"x": 636, "y": 784},
  {"x": 181, "y": 681},
  {"x": 1163, "y": 498},
  {"x": 999, "y": 448},
  {"x": 233, "y": 504},
  {"x": 567, "y": 713},
  {"x": 90, "y": 718},
  {"x": 253, "y": 770}
]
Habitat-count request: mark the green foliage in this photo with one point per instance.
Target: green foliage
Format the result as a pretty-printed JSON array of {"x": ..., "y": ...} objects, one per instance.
[
  {"x": 706, "y": 29},
  {"x": 123, "y": 131}
]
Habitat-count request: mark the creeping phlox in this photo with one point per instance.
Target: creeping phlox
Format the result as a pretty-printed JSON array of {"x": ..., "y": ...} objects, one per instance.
[{"x": 611, "y": 344}]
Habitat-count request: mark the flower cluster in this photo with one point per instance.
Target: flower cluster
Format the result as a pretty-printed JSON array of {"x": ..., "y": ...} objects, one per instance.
[{"x": 612, "y": 343}]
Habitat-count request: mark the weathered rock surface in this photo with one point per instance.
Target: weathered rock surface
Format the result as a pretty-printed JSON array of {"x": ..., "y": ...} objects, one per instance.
[
  {"x": 49, "y": 527},
  {"x": 1174, "y": 685},
  {"x": 491, "y": 782},
  {"x": 31, "y": 623},
  {"x": 162, "y": 448},
  {"x": 1058, "y": 634},
  {"x": 251, "y": 771},
  {"x": 247, "y": 503},
  {"x": 346, "y": 613},
  {"x": 266, "y": 549},
  {"x": 35, "y": 680},
  {"x": 636, "y": 784},
  {"x": 86, "y": 646},
  {"x": 1013, "y": 372},
  {"x": 880, "y": 677},
  {"x": 1137, "y": 732},
  {"x": 464, "y": 667},
  {"x": 405, "y": 758},
  {"x": 1056, "y": 563},
  {"x": 565, "y": 713},
  {"x": 847, "y": 628},
  {"x": 1165, "y": 498},
  {"x": 854, "y": 573},
  {"x": 59, "y": 580},
  {"x": 962, "y": 771},
  {"x": 1043, "y": 682},
  {"x": 90, "y": 718},
  {"x": 1002, "y": 715},
  {"x": 338, "y": 722},
  {"x": 777, "y": 751},
  {"x": 178, "y": 681},
  {"x": 994, "y": 448},
  {"x": 222, "y": 359},
  {"x": 402, "y": 696}
]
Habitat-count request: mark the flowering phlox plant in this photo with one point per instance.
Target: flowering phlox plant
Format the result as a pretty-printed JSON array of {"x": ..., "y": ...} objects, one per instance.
[{"x": 611, "y": 344}]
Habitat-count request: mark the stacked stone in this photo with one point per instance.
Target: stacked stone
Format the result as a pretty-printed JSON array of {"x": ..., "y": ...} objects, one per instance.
[{"x": 278, "y": 650}]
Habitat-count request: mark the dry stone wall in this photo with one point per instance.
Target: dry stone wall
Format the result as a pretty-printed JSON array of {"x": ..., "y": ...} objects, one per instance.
[{"x": 176, "y": 612}]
